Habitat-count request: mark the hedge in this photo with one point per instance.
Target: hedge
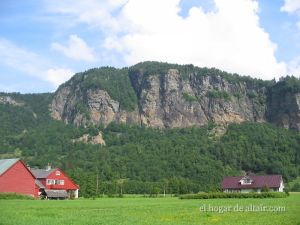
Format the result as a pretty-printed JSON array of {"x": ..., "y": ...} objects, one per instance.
[
  {"x": 15, "y": 196},
  {"x": 234, "y": 195}
]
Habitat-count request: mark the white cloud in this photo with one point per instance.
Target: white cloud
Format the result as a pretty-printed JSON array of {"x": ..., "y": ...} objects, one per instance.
[
  {"x": 291, "y": 6},
  {"x": 229, "y": 38},
  {"x": 294, "y": 67},
  {"x": 19, "y": 58},
  {"x": 96, "y": 13},
  {"x": 58, "y": 76},
  {"x": 76, "y": 49},
  {"x": 31, "y": 64}
]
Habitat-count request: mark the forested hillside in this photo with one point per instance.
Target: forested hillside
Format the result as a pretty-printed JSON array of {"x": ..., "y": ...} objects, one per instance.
[
  {"x": 145, "y": 160},
  {"x": 155, "y": 139}
]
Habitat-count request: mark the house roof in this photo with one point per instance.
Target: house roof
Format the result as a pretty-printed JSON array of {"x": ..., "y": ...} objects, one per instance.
[
  {"x": 41, "y": 173},
  {"x": 5, "y": 164},
  {"x": 39, "y": 184},
  {"x": 56, "y": 193},
  {"x": 271, "y": 181}
]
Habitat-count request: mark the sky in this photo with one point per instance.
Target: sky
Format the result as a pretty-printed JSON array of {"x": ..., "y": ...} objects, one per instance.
[{"x": 43, "y": 43}]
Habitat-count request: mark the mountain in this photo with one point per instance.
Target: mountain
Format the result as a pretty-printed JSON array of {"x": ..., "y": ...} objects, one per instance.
[
  {"x": 156, "y": 126},
  {"x": 168, "y": 95}
]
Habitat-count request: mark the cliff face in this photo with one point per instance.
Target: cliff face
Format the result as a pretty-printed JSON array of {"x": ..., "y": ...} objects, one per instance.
[
  {"x": 89, "y": 107},
  {"x": 284, "y": 110},
  {"x": 174, "y": 97},
  {"x": 10, "y": 100},
  {"x": 170, "y": 100}
]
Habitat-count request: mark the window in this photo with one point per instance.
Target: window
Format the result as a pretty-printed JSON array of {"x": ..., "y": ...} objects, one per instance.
[
  {"x": 55, "y": 182},
  {"x": 246, "y": 180},
  {"x": 50, "y": 181},
  {"x": 57, "y": 173}
]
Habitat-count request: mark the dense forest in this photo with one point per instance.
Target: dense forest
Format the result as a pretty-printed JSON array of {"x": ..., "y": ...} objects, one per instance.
[{"x": 144, "y": 160}]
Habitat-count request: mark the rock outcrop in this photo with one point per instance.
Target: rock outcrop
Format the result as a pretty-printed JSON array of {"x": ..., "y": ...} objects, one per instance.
[
  {"x": 89, "y": 107},
  {"x": 95, "y": 140},
  {"x": 284, "y": 110},
  {"x": 169, "y": 100},
  {"x": 175, "y": 99},
  {"x": 5, "y": 99}
]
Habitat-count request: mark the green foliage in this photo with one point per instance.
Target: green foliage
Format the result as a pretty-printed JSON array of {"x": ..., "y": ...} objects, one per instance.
[
  {"x": 265, "y": 189},
  {"x": 213, "y": 195},
  {"x": 261, "y": 148},
  {"x": 219, "y": 95},
  {"x": 115, "y": 81},
  {"x": 150, "y": 161},
  {"x": 296, "y": 187},
  {"x": 251, "y": 95},
  {"x": 189, "y": 98},
  {"x": 9, "y": 196},
  {"x": 287, "y": 84},
  {"x": 157, "y": 68}
]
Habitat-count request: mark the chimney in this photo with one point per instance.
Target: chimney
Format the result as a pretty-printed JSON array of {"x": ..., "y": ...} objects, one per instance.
[{"x": 48, "y": 167}]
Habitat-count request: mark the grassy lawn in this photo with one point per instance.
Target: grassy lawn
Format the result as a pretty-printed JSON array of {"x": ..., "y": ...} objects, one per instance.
[{"x": 152, "y": 211}]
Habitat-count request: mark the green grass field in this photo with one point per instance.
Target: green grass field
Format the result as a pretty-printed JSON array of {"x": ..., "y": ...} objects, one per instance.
[{"x": 152, "y": 211}]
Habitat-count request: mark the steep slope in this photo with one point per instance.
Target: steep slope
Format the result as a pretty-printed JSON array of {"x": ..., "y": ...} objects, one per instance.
[
  {"x": 284, "y": 103},
  {"x": 187, "y": 96},
  {"x": 97, "y": 96},
  {"x": 160, "y": 95}
]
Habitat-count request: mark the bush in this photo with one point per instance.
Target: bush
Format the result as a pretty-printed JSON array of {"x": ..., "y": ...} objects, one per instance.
[
  {"x": 265, "y": 189},
  {"x": 219, "y": 95},
  {"x": 296, "y": 187},
  {"x": 15, "y": 196},
  {"x": 189, "y": 98},
  {"x": 212, "y": 195}
]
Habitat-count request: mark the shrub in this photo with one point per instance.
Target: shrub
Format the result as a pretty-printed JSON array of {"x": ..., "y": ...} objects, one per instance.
[
  {"x": 219, "y": 95},
  {"x": 296, "y": 187},
  {"x": 15, "y": 196},
  {"x": 265, "y": 189},
  {"x": 213, "y": 195},
  {"x": 189, "y": 98}
]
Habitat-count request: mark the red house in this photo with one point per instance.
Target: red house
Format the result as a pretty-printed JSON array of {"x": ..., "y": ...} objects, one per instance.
[
  {"x": 54, "y": 183},
  {"x": 16, "y": 177},
  {"x": 251, "y": 182}
]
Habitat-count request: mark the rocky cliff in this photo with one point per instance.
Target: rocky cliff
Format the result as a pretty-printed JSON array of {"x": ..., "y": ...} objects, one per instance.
[
  {"x": 6, "y": 99},
  {"x": 169, "y": 95}
]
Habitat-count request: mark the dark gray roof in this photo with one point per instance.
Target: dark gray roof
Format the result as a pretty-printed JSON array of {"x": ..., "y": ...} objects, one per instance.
[
  {"x": 41, "y": 173},
  {"x": 56, "y": 193},
  {"x": 5, "y": 164},
  {"x": 38, "y": 183}
]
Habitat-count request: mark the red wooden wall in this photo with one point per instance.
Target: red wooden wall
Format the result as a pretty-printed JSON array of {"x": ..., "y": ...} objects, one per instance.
[{"x": 19, "y": 180}]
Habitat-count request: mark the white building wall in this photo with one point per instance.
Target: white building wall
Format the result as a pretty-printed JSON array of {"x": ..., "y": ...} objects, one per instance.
[
  {"x": 76, "y": 193},
  {"x": 281, "y": 187},
  {"x": 246, "y": 190}
]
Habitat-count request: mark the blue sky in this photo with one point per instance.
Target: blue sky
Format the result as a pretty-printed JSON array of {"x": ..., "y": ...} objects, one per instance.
[{"x": 44, "y": 42}]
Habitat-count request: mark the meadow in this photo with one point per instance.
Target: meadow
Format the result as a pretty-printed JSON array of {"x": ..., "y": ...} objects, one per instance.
[{"x": 152, "y": 211}]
